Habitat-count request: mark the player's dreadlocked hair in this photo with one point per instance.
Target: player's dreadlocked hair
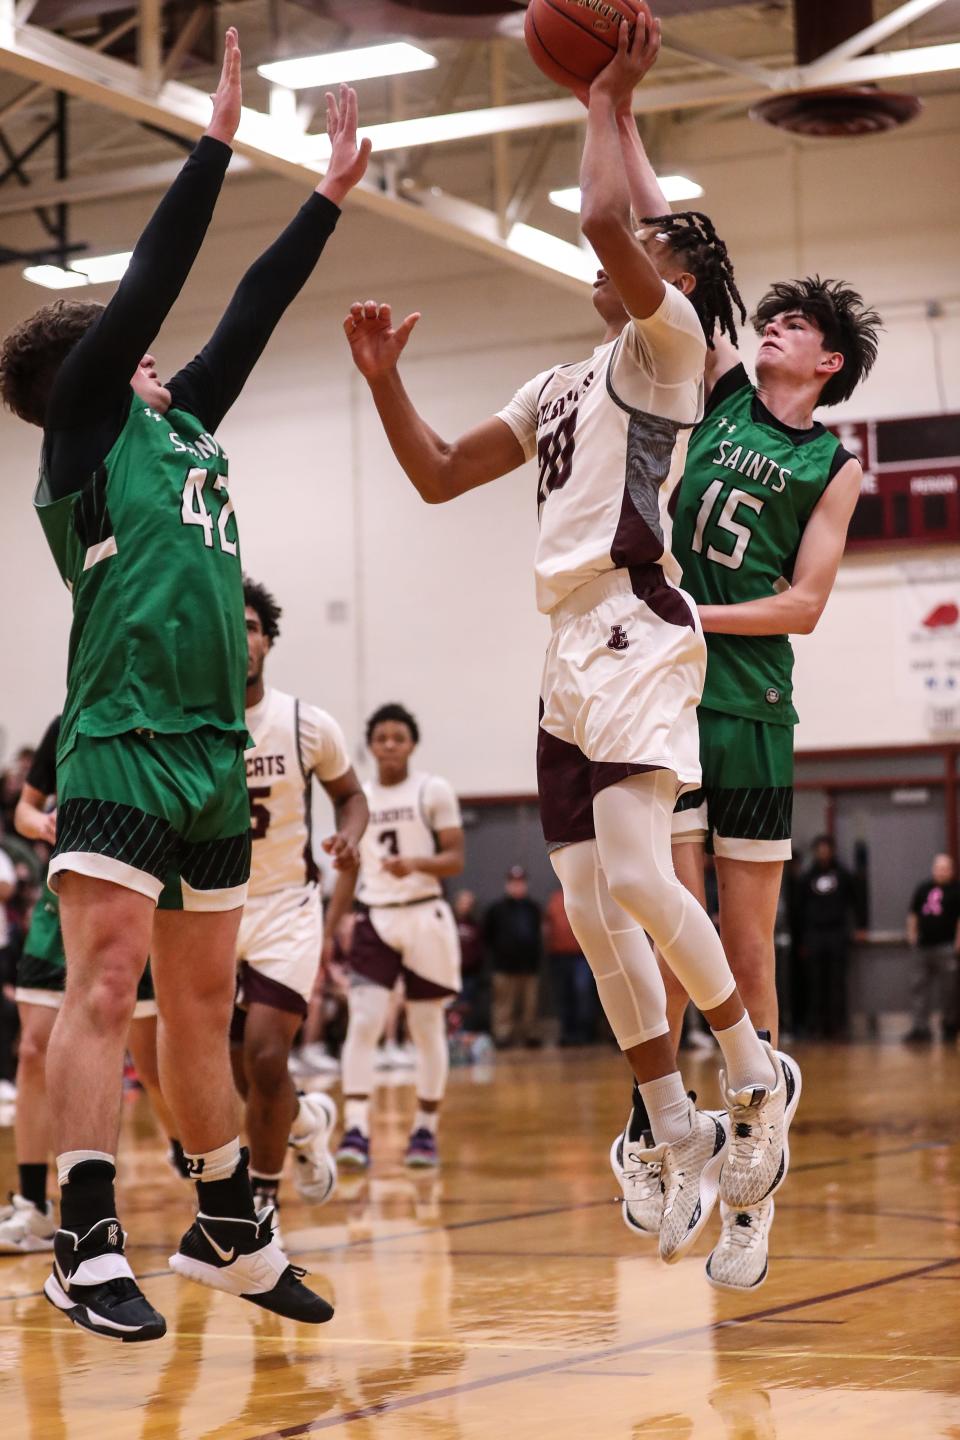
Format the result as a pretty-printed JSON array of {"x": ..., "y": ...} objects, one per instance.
[
  {"x": 258, "y": 598},
  {"x": 398, "y": 713},
  {"x": 691, "y": 235},
  {"x": 843, "y": 320}
]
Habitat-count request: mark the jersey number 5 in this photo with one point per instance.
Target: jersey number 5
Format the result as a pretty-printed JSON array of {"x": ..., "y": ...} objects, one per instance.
[
  {"x": 259, "y": 814},
  {"x": 193, "y": 510},
  {"x": 742, "y": 534}
]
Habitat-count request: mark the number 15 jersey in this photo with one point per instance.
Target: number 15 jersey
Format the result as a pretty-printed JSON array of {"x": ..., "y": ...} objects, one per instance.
[
  {"x": 405, "y": 820},
  {"x": 610, "y": 436},
  {"x": 749, "y": 487}
]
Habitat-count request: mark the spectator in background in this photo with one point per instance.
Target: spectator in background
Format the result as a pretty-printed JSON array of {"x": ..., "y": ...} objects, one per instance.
[
  {"x": 578, "y": 1002},
  {"x": 826, "y": 904},
  {"x": 474, "y": 1001},
  {"x": 933, "y": 931},
  {"x": 11, "y": 783},
  {"x": 512, "y": 932}
]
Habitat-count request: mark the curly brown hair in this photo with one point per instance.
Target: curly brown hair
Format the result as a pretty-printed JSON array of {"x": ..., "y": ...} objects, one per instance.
[{"x": 34, "y": 350}]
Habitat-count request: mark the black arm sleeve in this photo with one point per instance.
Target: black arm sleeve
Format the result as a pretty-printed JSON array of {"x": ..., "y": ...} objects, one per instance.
[
  {"x": 91, "y": 393},
  {"x": 210, "y": 384},
  {"x": 42, "y": 774}
]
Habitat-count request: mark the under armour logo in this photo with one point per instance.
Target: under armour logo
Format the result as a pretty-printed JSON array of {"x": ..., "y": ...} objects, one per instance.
[
  {"x": 194, "y": 1165},
  {"x": 724, "y": 424},
  {"x": 113, "y": 1235},
  {"x": 618, "y": 640}
]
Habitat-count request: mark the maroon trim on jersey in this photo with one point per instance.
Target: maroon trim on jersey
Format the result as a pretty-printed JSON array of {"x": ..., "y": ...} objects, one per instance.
[
  {"x": 652, "y": 587},
  {"x": 378, "y": 962},
  {"x": 255, "y": 988},
  {"x": 569, "y": 783}
]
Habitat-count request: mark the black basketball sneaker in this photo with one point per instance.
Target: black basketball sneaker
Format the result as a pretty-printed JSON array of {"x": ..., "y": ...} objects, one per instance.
[
  {"x": 244, "y": 1258},
  {"x": 93, "y": 1285}
]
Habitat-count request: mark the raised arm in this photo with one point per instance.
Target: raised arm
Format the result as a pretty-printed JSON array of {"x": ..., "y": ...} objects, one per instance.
[
  {"x": 96, "y": 374},
  {"x": 210, "y": 384},
  {"x": 797, "y": 610},
  {"x": 605, "y": 201},
  {"x": 439, "y": 470}
]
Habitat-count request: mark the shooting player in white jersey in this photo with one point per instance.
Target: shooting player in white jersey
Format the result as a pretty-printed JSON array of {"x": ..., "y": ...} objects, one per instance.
[
  {"x": 281, "y": 934},
  {"x": 626, "y": 663},
  {"x": 405, "y": 929}
]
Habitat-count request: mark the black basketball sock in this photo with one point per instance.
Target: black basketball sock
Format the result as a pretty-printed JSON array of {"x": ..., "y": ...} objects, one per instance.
[
  {"x": 86, "y": 1196},
  {"x": 639, "y": 1119},
  {"x": 230, "y": 1198},
  {"x": 178, "y": 1160},
  {"x": 33, "y": 1185}
]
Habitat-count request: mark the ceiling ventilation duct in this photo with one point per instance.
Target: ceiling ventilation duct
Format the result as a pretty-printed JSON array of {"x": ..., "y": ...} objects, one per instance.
[{"x": 845, "y": 111}]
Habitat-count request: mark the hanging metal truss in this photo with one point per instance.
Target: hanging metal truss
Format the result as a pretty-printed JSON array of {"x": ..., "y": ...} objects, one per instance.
[{"x": 147, "y": 93}]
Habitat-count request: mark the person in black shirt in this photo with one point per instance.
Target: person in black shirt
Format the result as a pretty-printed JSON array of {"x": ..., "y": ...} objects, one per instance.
[
  {"x": 512, "y": 932},
  {"x": 933, "y": 931},
  {"x": 826, "y": 904}
]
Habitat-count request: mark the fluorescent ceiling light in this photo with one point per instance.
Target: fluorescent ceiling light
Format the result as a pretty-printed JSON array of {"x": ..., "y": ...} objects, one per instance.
[
  {"x": 53, "y": 278},
  {"x": 923, "y": 60},
  {"x": 347, "y": 65},
  {"x": 674, "y": 187},
  {"x": 550, "y": 250},
  {"x": 89, "y": 270}
]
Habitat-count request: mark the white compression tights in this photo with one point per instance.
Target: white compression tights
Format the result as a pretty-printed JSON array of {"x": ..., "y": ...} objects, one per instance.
[
  {"x": 428, "y": 1031},
  {"x": 368, "y": 1014},
  {"x": 627, "y": 875}
]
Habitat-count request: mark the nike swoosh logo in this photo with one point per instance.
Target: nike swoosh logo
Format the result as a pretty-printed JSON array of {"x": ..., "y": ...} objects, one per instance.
[
  {"x": 63, "y": 1279},
  {"x": 225, "y": 1255}
]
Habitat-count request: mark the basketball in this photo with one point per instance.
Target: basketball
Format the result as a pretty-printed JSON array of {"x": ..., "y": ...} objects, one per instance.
[{"x": 571, "y": 41}]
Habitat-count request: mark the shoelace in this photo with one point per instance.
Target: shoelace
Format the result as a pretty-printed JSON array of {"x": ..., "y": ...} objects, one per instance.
[
  {"x": 746, "y": 1139},
  {"x": 645, "y": 1172},
  {"x": 740, "y": 1229}
]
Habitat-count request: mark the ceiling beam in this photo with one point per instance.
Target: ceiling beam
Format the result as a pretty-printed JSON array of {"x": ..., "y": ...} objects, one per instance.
[
  {"x": 872, "y": 35},
  {"x": 103, "y": 185}
]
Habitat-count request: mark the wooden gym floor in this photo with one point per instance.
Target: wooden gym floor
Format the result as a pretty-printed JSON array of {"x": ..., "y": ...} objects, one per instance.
[{"x": 505, "y": 1298}]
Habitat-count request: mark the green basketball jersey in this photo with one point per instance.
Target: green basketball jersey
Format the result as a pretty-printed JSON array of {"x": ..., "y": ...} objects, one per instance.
[
  {"x": 749, "y": 486},
  {"x": 149, "y": 551}
]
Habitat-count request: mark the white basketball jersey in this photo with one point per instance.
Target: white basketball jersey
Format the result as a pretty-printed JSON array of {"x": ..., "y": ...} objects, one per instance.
[
  {"x": 404, "y": 820},
  {"x": 610, "y": 435},
  {"x": 292, "y": 743}
]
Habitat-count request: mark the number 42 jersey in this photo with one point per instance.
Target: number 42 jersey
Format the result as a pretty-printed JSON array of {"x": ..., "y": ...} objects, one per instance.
[{"x": 749, "y": 487}]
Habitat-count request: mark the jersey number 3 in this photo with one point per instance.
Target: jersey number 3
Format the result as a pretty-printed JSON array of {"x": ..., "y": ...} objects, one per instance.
[
  {"x": 726, "y": 523},
  {"x": 193, "y": 510}
]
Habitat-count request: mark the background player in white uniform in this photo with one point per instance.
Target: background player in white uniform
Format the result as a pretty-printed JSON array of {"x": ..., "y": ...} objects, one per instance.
[
  {"x": 405, "y": 929},
  {"x": 281, "y": 933},
  {"x": 625, "y": 666}
]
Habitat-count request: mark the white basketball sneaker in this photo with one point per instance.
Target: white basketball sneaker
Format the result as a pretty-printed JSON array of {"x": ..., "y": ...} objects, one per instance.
[
  {"x": 25, "y": 1229},
  {"x": 315, "y": 1168},
  {"x": 758, "y": 1156},
  {"x": 690, "y": 1178},
  {"x": 637, "y": 1169},
  {"x": 739, "y": 1259}
]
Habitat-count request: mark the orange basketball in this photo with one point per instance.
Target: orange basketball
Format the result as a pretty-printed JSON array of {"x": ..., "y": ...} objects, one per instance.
[{"x": 572, "y": 40}]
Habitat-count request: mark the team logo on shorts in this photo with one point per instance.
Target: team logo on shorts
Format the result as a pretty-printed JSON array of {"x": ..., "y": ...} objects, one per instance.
[
  {"x": 618, "y": 640},
  {"x": 772, "y": 696}
]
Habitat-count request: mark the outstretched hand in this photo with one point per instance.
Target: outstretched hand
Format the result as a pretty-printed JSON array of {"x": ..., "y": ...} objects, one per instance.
[
  {"x": 348, "y": 161},
  {"x": 376, "y": 346},
  {"x": 618, "y": 80},
  {"x": 228, "y": 96}
]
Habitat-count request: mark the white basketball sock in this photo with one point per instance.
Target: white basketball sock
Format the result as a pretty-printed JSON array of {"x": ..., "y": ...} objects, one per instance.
[
  {"x": 747, "y": 1062},
  {"x": 669, "y": 1108}
]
